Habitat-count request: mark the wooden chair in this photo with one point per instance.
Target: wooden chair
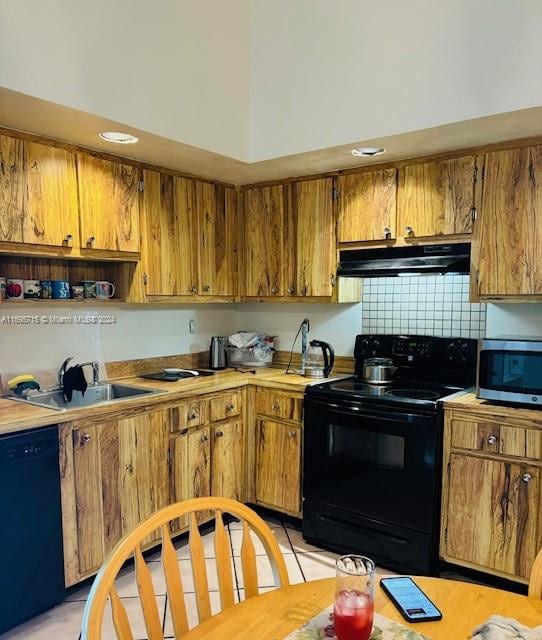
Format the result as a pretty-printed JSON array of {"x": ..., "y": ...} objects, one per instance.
[
  {"x": 535, "y": 581},
  {"x": 103, "y": 587}
]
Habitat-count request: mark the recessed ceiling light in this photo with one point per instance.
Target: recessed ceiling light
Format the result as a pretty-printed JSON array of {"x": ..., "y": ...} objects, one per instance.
[
  {"x": 367, "y": 151},
  {"x": 117, "y": 137}
]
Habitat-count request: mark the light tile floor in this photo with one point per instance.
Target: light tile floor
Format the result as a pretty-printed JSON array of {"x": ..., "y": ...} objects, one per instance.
[{"x": 304, "y": 562}]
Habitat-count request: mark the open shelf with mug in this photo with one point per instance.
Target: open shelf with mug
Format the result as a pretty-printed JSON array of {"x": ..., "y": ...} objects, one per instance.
[{"x": 37, "y": 281}]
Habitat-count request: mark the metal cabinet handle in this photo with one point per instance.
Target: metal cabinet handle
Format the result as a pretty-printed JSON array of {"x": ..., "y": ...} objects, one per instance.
[
  {"x": 387, "y": 233},
  {"x": 206, "y": 287},
  {"x": 291, "y": 290},
  {"x": 526, "y": 477},
  {"x": 204, "y": 438},
  {"x": 275, "y": 406},
  {"x": 409, "y": 231},
  {"x": 91, "y": 241},
  {"x": 86, "y": 437},
  {"x": 292, "y": 434},
  {"x": 274, "y": 290},
  {"x": 492, "y": 440},
  {"x": 68, "y": 240},
  {"x": 230, "y": 407},
  {"x": 219, "y": 434},
  {"x": 332, "y": 280},
  {"x": 193, "y": 289},
  {"x": 193, "y": 416}
]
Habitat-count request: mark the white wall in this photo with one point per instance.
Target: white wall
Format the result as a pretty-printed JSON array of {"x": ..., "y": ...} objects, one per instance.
[
  {"x": 514, "y": 320},
  {"x": 175, "y": 68},
  {"x": 336, "y": 324},
  {"x": 139, "y": 332},
  {"x": 330, "y": 73}
]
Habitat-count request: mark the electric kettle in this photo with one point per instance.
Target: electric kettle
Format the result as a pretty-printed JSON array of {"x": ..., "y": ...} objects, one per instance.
[
  {"x": 320, "y": 359},
  {"x": 217, "y": 352}
]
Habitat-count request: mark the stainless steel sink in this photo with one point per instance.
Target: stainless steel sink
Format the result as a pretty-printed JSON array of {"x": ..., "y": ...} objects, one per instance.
[{"x": 95, "y": 394}]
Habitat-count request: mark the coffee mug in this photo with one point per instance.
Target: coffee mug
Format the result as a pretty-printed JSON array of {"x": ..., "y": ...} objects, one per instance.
[
  {"x": 15, "y": 288},
  {"x": 78, "y": 291},
  {"x": 89, "y": 287},
  {"x": 32, "y": 288},
  {"x": 46, "y": 287},
  {"x": 104, "y": 289},
  {"x": 2, "y": 288},
  {"x": 61, "y": 289}
]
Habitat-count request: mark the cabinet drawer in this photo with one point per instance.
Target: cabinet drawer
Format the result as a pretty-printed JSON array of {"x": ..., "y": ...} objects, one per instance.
[
  {"x": 225, "y": 406},
  {"x": 189, "y": 414},
  {"x": 279, "y": 405},
  {"x": 494, "y": 437}
]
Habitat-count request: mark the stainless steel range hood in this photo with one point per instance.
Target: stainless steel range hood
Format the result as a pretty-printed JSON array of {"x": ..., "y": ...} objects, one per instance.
[{"x": 396, "y": 261}]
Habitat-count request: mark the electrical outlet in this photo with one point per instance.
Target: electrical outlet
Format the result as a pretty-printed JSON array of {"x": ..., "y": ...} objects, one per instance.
[{"x": 192, "y": 325}]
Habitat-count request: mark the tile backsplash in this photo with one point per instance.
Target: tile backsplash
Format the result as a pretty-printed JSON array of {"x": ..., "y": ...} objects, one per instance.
[{"x": 425, "y": 305}]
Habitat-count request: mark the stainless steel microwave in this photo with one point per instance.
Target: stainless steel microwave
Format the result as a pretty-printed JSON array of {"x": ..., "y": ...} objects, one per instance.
[{"x": 510, "y": 370}]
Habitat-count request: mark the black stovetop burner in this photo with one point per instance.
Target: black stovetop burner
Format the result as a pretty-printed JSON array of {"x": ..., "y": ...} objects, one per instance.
[{"x": 428, "y": 369}]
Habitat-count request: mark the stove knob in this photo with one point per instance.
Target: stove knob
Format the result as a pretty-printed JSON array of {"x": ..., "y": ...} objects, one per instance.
[{"x": 452, "y": 350}]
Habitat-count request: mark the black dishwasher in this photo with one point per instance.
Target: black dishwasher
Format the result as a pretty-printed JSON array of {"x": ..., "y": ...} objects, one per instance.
[{"x": 31, "y": 559}]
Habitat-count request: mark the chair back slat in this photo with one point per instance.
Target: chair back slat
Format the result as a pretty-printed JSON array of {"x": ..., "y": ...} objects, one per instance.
[
  {"x": 223, "y": 562},
  {"x": 104, "y": 584},
  {"x": 248, "y": 563},
  {"x": 199, "y": 571},
  {"x": 147, "y": 597},
  {"x": 174, "y": 584},
  {"x": 120, "y": 618}
]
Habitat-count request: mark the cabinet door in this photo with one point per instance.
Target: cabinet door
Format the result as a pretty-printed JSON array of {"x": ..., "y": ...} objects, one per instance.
[
  {"x": 108, "y": 204},
  {"x": 191, "y": 469},
  {"x": 186, "y": 238},
  {"x": 51, "y": 215},
  {"x": 312, "y": 219},
  {"x": 264, "y": 241},
  {"x": 228, "y": 460},
  {"x": 507, "y": 251},
  {"x": 436, "y": 198},
  {"x": 159, "y": 236},
  {"x": 367, "y": 206},
  {"x": 492, "y": 514},
  {"x": 278, "y": 465},
  {"x": 216, "y": 212},
  {"x": 143, "y": 468},
  {"x": 11, "y": 189},
  {"x": 97, "y": 493}
]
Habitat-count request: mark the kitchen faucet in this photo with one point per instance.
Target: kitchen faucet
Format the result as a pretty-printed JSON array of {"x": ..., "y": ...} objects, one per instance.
[
  {"x": 95, "y": 370},
  {"x": 304, "y": 336}
]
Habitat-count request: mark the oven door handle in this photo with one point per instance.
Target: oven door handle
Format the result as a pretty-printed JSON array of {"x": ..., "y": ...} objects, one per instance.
[{"x": 391, "y": 415}]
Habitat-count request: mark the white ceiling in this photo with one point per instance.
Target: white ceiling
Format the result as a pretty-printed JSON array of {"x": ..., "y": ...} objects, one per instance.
[{"x": 251, "y": 90}]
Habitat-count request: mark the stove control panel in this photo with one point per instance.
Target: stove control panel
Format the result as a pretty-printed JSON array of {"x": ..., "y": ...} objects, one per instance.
[{"x": 413, "y": 346}]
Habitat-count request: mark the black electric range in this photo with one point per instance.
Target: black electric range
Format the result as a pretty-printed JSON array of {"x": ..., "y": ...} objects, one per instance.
[{"x": 372, "y": 453}]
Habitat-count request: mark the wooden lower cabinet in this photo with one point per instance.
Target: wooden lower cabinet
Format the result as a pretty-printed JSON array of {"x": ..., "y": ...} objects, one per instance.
[
  {"x": 228, "y": 460},
  {"x": 278, "y": 465},
  {"x": 190, "y": 477},
  {"x": 114, "y": 475},
  {"x": 491, "y": 514}
]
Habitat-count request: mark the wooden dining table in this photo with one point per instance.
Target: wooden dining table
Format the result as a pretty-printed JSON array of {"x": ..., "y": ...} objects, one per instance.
[{"x": 274, "y": 615}]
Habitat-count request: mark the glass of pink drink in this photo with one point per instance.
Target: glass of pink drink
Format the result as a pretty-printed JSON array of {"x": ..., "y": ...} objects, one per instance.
[{"x": 354, "y": 598}]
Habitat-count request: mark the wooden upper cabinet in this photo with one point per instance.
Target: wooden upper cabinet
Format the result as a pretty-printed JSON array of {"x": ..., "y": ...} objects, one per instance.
[
  {"x": 108, "y": 204},
  {"x": 11, "y": 189},
  {"x": 310, "y": 238},
  {"x": 161, "y": 257},
  {"x": 185, "y": 239},
  {"x": 216, "y": 213},
  {"x": 51, "y": 206},
  {"x": 264, "y": 241},
  {"x": 493, "y": 513},
  {"x": 507, "y": 242},
  {"x": 367, "y": 206},
  {"x": 436, "y": 198}
]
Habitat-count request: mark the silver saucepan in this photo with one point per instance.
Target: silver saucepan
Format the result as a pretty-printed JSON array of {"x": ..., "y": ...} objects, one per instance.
[{"x": 378, "y": 370}]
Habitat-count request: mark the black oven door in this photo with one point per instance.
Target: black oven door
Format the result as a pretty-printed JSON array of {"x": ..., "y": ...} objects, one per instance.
[{"x": 377, "y": 462}]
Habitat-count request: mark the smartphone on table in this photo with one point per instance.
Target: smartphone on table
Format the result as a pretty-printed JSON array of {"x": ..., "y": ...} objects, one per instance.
[{"x": 410, "y": 600}]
